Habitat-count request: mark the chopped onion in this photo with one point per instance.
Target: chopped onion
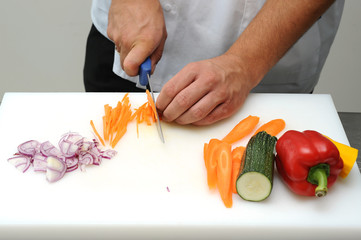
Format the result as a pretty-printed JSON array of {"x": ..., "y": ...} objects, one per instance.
[
  {"x": 29, "y": 148},
  {"x": 55, "y": 169},
  {"x": 48, "y": 149},
  {"x": 69, "y": 144},
  {"x": 21, "y": 162},
  {"x": 109, "y": 153},
  {"x": 39, "y": 162},
  {"x": 71, "y": 164},
  {"x": 73, "y": 152},
  {"x": 86, "y": 158}
]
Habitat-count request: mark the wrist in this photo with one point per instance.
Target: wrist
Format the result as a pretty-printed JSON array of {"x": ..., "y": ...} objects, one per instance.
[{"x": 248, "y": 67}]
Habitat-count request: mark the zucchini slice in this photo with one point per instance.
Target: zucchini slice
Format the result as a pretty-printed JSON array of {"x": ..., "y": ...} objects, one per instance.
[{"x": 255, "y": 180}]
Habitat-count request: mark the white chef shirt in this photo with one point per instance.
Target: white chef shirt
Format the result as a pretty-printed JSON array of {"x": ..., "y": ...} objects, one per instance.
[{"x": 203, "y": 29}]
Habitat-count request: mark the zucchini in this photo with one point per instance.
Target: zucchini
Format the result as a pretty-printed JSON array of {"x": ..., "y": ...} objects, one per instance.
[{"x": 255, "y": 180}]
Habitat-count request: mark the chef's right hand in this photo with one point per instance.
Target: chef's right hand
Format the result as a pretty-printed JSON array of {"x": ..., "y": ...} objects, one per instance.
[{"x": 138, "y": 30}]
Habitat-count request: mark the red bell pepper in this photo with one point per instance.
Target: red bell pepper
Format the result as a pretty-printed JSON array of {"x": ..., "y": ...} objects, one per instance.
[{"x": 308, "y": 162}]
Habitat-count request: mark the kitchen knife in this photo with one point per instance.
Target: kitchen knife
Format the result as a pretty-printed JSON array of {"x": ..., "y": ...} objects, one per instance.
[{"x": 144, "y": 80}]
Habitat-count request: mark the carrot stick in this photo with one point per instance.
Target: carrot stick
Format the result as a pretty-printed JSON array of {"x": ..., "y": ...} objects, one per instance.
[
  {"x": 242, "y": 129},
  {"x": 118, "y": 136},
  {"x": 273, "y": 127},
  {"x": 211, "y": 163},
  {"x": 224, "y": 172},
  {"x": 151, "y": 103},
  {"x": 96, "y": 133},
  {"x": 106, "y": 120},
  {"x": 237, "y": 155},
  {"x": 115, "y": 120}
]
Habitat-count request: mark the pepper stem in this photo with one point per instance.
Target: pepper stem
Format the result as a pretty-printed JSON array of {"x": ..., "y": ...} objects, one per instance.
[{"x": 318, "y": 175}]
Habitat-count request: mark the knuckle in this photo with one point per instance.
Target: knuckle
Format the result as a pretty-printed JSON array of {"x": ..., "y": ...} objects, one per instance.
[
  {"x": 198, "y": 113},
  {"x": 182, "y": 100},
  {"x": 220, "y": 95},
  {"x": 193, "y": 66},
  {"x": 169, "y": 90}
]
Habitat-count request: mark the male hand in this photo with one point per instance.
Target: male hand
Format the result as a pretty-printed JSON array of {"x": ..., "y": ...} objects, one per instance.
[
  {"x": 138, "y": 30},
  {"x": 205, "y": 92}
]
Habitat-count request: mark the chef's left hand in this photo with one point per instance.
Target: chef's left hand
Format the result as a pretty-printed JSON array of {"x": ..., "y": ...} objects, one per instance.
[{"x": 205, "y": 92}]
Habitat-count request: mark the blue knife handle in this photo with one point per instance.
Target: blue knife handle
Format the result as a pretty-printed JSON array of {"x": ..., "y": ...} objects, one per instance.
[{"x": 144, "y": 70}]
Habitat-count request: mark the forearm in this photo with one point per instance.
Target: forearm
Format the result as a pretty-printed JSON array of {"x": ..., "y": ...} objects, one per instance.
[{"x": 274, "y": 30}]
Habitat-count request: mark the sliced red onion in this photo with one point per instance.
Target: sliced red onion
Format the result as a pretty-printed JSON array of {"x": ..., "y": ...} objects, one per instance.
[
  {"x": 39, "y": 162},
  {"x": 74, "y": 152},
  {"x": 109, "y": 153},
  {"x": 29, "y": 148},
  {"x": 55, "y": 170},
  {"x": 87, "y": 145},
  {"x": 96, "y": 142},
  {"x": 97, "y": 154},
  {"x": 87, "y": 158},
  {"x": 70, "y": 169},
  {"x": 68, "y": 149},
  {"x": 95, "y": 151},
  {"x": 21, "y": 162},
  {"x": 71, "y": 164},
  {"x": 72, "y": 137},
  {"x": 48, "y": 149},
  {"x": 70, "y": 143}
]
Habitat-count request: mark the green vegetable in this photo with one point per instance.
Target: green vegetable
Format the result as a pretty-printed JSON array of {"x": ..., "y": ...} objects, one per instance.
[{"x": 255, "y": 181}]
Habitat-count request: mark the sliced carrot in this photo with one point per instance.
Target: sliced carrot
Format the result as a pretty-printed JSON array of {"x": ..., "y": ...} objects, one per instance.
[
  {"x": 151, "y": 102},
  {"x": 115, "y": 121},
  {"x": 224, "y": 172},
  {"x": 211, "y": 162},
  {"x": 273, "y": 127},
  {"x": 145, "y": 113},
  {"x": 106, "y": 120},
  {"x": 96, "y": 133},
  {"x": 117, "y": 137},
  {"x": 237, "y": 155},
  {"x": 242, "y": 129}
]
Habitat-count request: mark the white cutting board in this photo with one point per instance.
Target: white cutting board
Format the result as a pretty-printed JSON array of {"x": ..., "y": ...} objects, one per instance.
[{"x": 127, "y": 197}]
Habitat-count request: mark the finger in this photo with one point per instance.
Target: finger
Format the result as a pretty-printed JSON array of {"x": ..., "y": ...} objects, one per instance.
[
  {"x": 188, "y": 102},
  {"x": 173, "y": 87},
  {"x": 200, "y": 109},
  {"x": 136, "y": 57},
  {"x": 222, "y": 111},
  {"x": 218, "y": 113}
]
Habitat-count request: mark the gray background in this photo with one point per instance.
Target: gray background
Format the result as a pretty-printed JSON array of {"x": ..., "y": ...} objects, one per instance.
[{"x": 42, "y": 48}]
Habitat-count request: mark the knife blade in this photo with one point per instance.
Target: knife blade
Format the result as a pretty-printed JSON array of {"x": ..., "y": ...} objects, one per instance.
[{"x": 144, "y": 80}]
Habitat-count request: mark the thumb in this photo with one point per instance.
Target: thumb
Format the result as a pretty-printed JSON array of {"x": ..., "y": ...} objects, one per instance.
[{"x": 135, "y": 58}]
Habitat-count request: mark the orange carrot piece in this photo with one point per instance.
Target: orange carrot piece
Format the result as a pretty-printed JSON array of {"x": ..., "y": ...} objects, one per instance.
[
  {"x": 211, "y": 163},
  {"x": 118, "y": 136},
  {"x": 237, "y": 156},
  {"x": 96, "y": 133},
  {"x": 106, "y": 120},
  {"x": 224, "y": 172},
  {"x": 273, "y": 127},
  {"x": 151, "y": 103},
  {"x": 145, "y": 113},
  {"x": 242, "y": 129}
]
